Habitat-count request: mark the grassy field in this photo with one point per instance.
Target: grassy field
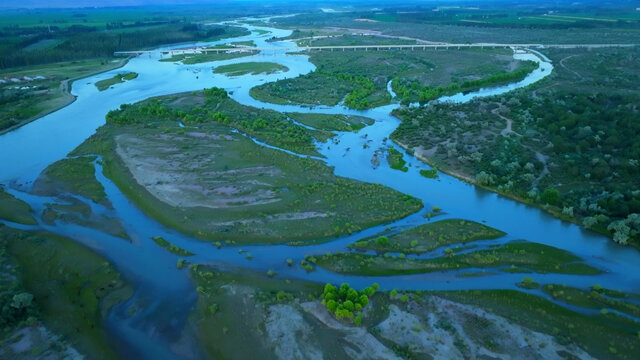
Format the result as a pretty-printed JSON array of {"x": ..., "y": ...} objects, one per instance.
[
  {"x": 596, "y": 298},
  {"x": 12, "y": 209},
  {"x": 190, "y": 59},
  {"x": 214, "y": 105},
  {"x": 66, "y": 180},
  {"x": 575, "y": 25},
  {"x": 519, "y": 255},
  {"x": 73, "y": 175},
  {"x": 28, "y": 100},
  {"x": 103, "y": 85},
  {"x": 255, "y": 194},
  {"x": 253, "y": 68},
  {"x": 430, "y": 236},
  {"x": 525, "y": 144},
  {"x": 332, "y": 122},
  {"x": 395, "y": 160},
  {"x": 360, "y": 78},
  {"x": 72, "y": 287}
]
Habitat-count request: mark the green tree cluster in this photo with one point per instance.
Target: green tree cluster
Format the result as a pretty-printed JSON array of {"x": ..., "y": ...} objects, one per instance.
[
  {"x": 216, "y": 93},
  {"x": 347, "y": 303}
]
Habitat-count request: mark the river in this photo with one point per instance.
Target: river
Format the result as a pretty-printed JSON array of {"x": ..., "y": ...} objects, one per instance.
[{"x": 167, "y": 294}]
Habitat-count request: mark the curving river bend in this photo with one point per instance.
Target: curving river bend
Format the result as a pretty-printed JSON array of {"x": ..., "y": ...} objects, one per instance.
[{"x": 167, "y": 294}]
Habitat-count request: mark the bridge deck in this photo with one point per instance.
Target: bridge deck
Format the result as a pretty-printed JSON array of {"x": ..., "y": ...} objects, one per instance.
[{"x": 198, "y": 50}]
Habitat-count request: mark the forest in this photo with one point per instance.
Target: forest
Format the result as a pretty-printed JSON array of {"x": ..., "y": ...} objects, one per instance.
[
  {"x": 84, "y": 42},
  {"x": 573, "y": 147}
]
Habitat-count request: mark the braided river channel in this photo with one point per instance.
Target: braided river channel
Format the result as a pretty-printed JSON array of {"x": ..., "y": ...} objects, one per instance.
[{"x": 168, "y": 293}]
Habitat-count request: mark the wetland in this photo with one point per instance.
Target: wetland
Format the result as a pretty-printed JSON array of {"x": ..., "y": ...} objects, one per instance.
[{"x": 219, "y": 205}]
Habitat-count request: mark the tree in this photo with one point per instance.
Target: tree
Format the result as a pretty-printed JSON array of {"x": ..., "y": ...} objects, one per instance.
[
  {"x": 484, "y": 178},
  {"x": 382, "y": 241},
  {"x": 349, "y": 305},
  {"x": 332, "y": 305},
  {"x": 550, "y": 196},
  {"x": 21, "y": 301}
]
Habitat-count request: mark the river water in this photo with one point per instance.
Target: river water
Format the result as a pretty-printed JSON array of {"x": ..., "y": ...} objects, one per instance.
[{"x": 166, "y": 294}]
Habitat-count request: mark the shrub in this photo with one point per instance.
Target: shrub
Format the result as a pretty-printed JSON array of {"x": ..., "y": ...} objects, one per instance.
[{"x": 382, "y": 241}]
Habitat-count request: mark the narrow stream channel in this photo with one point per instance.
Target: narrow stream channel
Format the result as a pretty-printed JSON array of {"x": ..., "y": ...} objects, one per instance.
[{"x": 167, "y": 294}]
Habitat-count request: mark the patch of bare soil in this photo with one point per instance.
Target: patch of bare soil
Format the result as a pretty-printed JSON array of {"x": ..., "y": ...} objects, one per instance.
[
  {"x": 183, "y": 180},
  {"x": 291, "y": 336},
  {"x": 457, "y": 331},
  {"x": 360, "y": 343}
]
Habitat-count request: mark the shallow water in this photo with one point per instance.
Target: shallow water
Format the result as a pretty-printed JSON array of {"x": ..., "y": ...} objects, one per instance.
[{"x": 167, "y": 294}]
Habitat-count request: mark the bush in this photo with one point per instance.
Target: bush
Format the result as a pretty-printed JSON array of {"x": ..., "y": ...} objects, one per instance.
[
  {"x": 382, "y": 241},
  {"x": 216, "y": 92}
]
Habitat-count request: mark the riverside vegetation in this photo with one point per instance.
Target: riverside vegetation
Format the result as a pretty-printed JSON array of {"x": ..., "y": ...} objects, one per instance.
[
  {"x": 256, "y": 192},
  {"x": 361, "y": 81},
  {"x": 53, "y": 286},
  {"x": 580, "y": 164}
]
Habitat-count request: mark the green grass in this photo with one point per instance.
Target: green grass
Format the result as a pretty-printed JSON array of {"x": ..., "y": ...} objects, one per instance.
[
  {"x": 189, "y": 59},
  {"x": 74, "y": 175},
  {"x": 311, "y": 89},
  {"x": 537, "y": 257},
  {"x": 395, "y": 160},
  {"x": 430, "y": 236},
  {"x": 103, "y": 85},
  {"x": 170, "y": 247},
  {"x": 528, "y": 283},
  {"x": 430, "y": 174},
  {"x": 72, "y": 286},
  {"x": 591, "y": 299},
  {"x": 12, "y": 209},
  {"x": 253, "y": 68},
  {"x": 332, "y": 122}
]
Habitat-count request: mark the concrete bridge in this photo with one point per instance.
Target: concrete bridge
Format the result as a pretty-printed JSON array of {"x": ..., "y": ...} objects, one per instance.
[{"x": 202, "y": 50}]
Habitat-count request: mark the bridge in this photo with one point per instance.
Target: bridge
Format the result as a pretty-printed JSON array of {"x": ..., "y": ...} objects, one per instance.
[{"x": 201, "y": 50}]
